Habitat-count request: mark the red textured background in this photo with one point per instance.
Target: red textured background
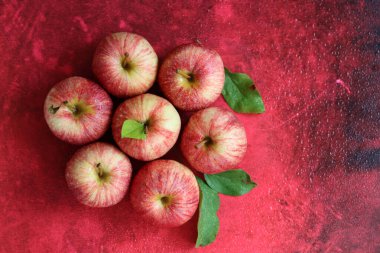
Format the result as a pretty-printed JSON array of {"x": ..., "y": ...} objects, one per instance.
[{"x": 315, "y": 153}]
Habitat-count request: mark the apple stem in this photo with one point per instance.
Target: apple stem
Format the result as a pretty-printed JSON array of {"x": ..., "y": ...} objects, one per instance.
[
  {"x": 183, "y": 73},
  {"x": 100, "y": 170},
  {"x": 205, "y": 141},
  {"x": 201, "y": 144},
  {"x": 72, "y": 108},
  {"x": 146, "y": 126},
  {"x": 125, "y": 60},
  {"x": 53, "y": 109},
  {"x": 198, "y": 42}
]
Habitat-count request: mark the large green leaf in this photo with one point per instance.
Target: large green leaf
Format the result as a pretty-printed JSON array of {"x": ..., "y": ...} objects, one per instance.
[
  {"x": 133, "y": 129},
  {"x": 241, "y": 94},
  {"x": 208, "y": 221},
  {"x": 232, "y": 182}
]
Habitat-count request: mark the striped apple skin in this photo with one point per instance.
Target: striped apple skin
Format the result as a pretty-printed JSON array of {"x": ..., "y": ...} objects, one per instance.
[
  {"x": 207, "y": 69},
  {"x": 162, "y": 132},
  {"x": 229, "y": 141},
  {"x": 107, "y": 64},
  {"x": 83, "y": 180},
  {"x": 170, "y": 179},
  {"x": 90, "y": 125}
]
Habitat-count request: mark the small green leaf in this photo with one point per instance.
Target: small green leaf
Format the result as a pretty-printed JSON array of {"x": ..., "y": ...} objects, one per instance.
[
  {"x": 133, "y": 129},
  {"x": 232, "y": 182},
  {"x": 241, "y": 94},
  {"x": 208, "y": 221}
]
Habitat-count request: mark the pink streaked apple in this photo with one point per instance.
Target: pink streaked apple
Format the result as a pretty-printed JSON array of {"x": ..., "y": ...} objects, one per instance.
[
  {"x": 192, "y": 77},
  {"x": 165, "y": 192},
  {"x": 161, "y": 123},
  {"x": 214, "y": 140},
  {"x": 78, "y": 110},
  {"x": 99, "y": 175},
  {"x": 125, "y": 63}
]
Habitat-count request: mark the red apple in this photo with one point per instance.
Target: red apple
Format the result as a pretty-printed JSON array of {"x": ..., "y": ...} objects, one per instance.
[
  {"x": 77, "y": 110},
  {"x": 213, "y": 140},
  {"x": 165, "y": 192},
  {"x": 192, "y": 77},
  {"x": 98, "y": 175},
  {"x": 161, "y": 122},
  {"x": 125, "y": 63}
]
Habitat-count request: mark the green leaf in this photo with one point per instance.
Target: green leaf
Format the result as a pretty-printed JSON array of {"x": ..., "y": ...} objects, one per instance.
[
  {"x": 133, "y": 129},
  {"x": 208, "y": 222},
  {"x": 241, "y": 94},
  {"x": 232, "y": 182}
]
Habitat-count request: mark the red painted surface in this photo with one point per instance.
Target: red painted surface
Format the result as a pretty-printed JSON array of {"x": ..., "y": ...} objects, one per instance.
[{"x": 315, "y": 153}]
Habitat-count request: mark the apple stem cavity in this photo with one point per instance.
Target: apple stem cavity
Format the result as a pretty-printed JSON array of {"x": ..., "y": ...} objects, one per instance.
[
  {"x": 184, "y": 74},
  {"x": 146, "y": 125},
  {"x": 126, "y": 61},
  {"x": 103, "y": 175},
  {"x": 99, "y": 169},
  {"x": 165, "y": 200},
  {"x": 206, "y": 141},
  {"x": 72, "y": 108}
]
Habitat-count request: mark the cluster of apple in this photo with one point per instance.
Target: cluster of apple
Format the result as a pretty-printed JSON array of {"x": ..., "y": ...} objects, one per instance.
[{"x": 145, "y": 127}]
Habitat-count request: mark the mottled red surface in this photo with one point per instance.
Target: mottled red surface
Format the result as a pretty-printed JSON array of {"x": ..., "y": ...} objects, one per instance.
[{"x": 315, "y": 153}]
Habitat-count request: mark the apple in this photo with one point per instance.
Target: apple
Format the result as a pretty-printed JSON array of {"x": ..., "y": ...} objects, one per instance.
[
  {"x": 213, "y": 140},
  {"x": 165, "y": 192},
  {"x": 98, "y": 175},
  {"x": 77, "y": 110},
  {"x": 125, "y": 63},
  {"x": 161, "y": 123},
  {"x": 192, "y": 77}
]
